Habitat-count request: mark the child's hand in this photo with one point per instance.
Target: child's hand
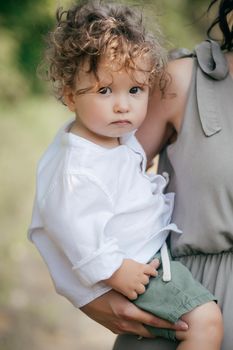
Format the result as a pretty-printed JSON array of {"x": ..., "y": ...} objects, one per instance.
[{"x": 130, "y": 279}]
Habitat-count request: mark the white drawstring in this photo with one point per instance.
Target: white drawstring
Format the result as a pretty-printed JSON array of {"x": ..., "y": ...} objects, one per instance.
[{"x": 166, "y": 263}]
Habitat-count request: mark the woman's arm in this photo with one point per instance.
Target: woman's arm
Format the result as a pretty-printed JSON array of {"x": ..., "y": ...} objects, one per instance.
[
  {"x": 119, "y": 315},
  {"x": 165, "y": 113}
]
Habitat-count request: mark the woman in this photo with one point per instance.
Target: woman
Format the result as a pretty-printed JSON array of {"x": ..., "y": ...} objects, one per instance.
[{"x": 198, "y": 121}]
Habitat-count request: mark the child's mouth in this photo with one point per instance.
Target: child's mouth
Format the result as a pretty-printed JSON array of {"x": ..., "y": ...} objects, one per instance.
[{"x": 121, "y": 122}]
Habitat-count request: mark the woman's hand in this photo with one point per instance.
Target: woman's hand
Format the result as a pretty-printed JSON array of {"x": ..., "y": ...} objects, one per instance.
[{"x": 120, "y": 316}]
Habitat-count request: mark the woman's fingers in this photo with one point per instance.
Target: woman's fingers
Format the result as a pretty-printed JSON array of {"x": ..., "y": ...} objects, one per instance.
[
  {"x": 132, "y": 312},
  {"x": 136, "y": 328}
]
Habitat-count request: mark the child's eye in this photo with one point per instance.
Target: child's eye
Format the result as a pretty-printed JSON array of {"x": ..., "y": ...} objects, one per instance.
[
  {"x": 135, "y": 90},
  {"x": 105, "y": 91}
]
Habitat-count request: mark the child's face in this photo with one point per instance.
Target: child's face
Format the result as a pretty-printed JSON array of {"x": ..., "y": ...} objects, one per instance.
[{"x": 114, "y": 106}]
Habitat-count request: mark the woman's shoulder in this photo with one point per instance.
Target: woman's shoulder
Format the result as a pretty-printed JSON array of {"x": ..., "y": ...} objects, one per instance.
[
  {"x": 209, "y": 58},
  {"x": 211, "y": 62},
  {"x": 180, "y": 76},
  {"x": 180, "y": 72}
]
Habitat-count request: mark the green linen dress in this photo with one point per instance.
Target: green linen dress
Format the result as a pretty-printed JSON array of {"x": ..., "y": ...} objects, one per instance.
[{"x": 200, "y": 165}]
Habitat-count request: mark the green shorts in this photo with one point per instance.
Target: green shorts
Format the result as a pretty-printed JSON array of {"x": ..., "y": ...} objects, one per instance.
[{"x": 170, "y": 300}]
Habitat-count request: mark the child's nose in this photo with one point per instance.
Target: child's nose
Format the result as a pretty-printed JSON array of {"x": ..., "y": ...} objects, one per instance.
[{"x": 121, "y": 105}]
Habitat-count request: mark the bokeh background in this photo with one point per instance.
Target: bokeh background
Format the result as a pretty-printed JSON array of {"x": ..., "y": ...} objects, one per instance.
[{"x": 32, "y": 315}]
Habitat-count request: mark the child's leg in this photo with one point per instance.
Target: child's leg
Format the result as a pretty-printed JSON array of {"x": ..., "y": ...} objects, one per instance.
[{"x": 205, "y": 328}]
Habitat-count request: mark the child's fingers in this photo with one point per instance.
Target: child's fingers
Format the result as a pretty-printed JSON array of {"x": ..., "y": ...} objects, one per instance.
[
  {"x": 150, "y": 269},
  {"x": 155, "y": 263},
  {"x": 132, "y": 295},
  {"x": 145, "y": 279},
  {"x": 140, "y": 289}
]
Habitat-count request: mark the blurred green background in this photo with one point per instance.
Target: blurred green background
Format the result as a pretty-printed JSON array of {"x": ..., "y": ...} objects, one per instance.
[{"x": 32, "y": 316}]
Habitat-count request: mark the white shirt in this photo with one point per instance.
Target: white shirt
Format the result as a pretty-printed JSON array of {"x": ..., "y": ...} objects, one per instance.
[{"x": 93, "y": 208}]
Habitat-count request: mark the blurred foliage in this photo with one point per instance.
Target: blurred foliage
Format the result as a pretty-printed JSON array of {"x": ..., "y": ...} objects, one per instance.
[{"x": 24, "y": 24}]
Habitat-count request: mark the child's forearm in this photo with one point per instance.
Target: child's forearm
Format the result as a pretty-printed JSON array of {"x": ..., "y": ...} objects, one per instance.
[{"x": 131, "y": 277}]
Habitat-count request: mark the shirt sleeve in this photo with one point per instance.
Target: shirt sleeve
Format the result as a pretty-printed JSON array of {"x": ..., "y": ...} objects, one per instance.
[
  {"x": 76, "y": 213},
  {"x": 64, "y": 278}
]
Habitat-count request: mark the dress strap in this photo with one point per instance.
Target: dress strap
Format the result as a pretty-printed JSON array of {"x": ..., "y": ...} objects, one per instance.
[
  {"x": 211, "y": 59},
  {"x": 211, "y": 67}
]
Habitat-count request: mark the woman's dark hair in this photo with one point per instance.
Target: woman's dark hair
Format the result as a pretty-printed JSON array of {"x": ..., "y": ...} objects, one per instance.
[{"x": 224, "y": 20}]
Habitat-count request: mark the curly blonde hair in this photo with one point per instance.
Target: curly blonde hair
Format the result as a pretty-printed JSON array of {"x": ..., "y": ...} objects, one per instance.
[{"x": 88, "y": 31}]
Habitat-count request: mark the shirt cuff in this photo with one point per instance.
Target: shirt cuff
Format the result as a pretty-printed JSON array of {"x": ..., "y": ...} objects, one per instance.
[{"x": 100, "y": 265}]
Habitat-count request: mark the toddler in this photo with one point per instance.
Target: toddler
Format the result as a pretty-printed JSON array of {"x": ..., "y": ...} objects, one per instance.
[{"x": 94, "y": 198}]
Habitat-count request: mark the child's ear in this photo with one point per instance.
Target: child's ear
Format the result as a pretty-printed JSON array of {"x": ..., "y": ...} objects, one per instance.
[{"x": 69, "y": 98}]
